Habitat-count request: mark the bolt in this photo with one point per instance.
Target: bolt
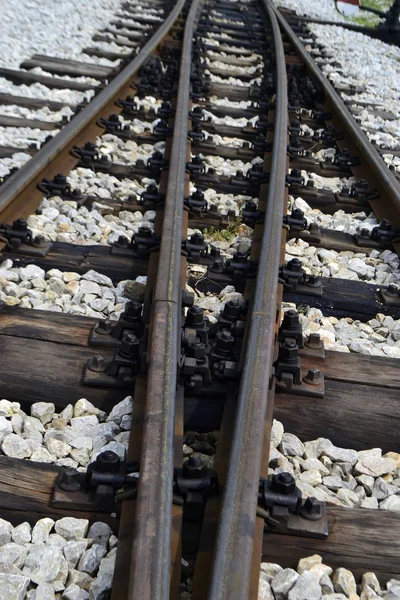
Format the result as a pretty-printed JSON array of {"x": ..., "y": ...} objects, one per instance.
[
  {"x": 224, "y": 342},
  {"x": 20, "y": 225},
  {"x": 295, "y": 265},
  {"x": 68, "y": 480},
  {"x": 108, "y": 462},
  {"x": 313, "y": 377},
  {"x": 232, "y": 309},
  {"x": 39, "y": 241},
  {"x": 290, "y": 319},
  {"x": 392, "y": 290},
  {"x": 312, "y": 281},
  {"x": 96, "y": 363},
  {"x": 194, "y": 467},
  {"x": 133, "y": 309},
  {"x": 314, "y": 341},
  {"x": 285, "y": 477},
  {"x": 129, "y": 345},
  {"x": 60, "y": 179},
  {"x": 283, "y": 483},
  {"x": 103, "y": 327},
  {"x": 194, "y": 315},
  {"x": 311, "y": 509},
  {"x": 288, "y": 351},
  {"x": 197, "y": 350},
  {"x": 145, "y": 231},
  {"x": 131, "y": 199}
]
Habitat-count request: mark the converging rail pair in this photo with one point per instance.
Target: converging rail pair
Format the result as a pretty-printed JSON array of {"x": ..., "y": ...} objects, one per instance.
[{"x": 180, "y": 518}]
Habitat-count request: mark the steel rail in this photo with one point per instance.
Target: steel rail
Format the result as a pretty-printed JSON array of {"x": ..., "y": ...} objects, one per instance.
[
  {"x": 150, "y": 563},
  {"x": 384, "y": 176},
  {"x": 32, "y": 170},
  {"x": 233, "y": 555}
]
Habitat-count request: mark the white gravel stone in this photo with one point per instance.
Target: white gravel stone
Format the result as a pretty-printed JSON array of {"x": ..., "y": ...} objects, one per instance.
[
  {"x": 42, "y": 25},
  {"x": 22, "y": 534},
  {"x": 13, "y": 586},
  {"x": 43, "y": 411},
  {"x": 15, "y": 446},
  {"x": 72, "y": 529},
  {"x": 283, "y": 582},
  {"x": 91, "y": 559},
  {"x": 41, "y": 531}
]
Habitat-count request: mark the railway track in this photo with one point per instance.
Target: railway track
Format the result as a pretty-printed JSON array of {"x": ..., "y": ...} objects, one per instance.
[
  {"x": 40, "y": 97},
  {"x": 194, "y": 255}
]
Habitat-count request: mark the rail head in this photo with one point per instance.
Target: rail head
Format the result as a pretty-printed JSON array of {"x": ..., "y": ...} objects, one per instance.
[
  {"x": 150, "y": 563},
  {"x": 234, "y": 549},
  {"x": 29, "y": 173}
]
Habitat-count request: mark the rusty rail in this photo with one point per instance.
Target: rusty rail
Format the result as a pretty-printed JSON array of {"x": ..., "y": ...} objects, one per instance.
[
  {"x": 234, "y": 549},
  {"x": 150, "y": 563}
]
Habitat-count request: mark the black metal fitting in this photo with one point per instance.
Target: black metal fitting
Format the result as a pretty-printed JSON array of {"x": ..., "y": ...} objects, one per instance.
[
  {"x": 250, "y": 213},
  {"x": 197, "y": 134},
  {"x": 195, "y": 482},
  {"x": 295, "y": 178},
  {"x": 59, "y": 187},
  {"x": 291, "y": 328},
  {"x": 165, "y": 111},
  {"x": 156, "y": 162},
  {"x": 90, "y": 155},
  {"x": 287, "y": 366},
  {"x": 144, "y": 241},
  {"x": 195, "y": 247},
  {"x": 296, "y": 222},
  {"x": 112, "y": 125},
  {"x": 239, "y": 265},
  {"x": 197, "y": 114},
  {"x": 197, "y": 201},
  {"x": 343, "y": 158},
  {"x": 196, "y": 166},
  {"x": 293, "y": 273},
  {"x": 162, "y": 130},
  {"x": 280, "y": 496},
  {"x": 151, "y": 197},
  {"x": 19, "y": 234},
  {"x": 257, "y": 174}
]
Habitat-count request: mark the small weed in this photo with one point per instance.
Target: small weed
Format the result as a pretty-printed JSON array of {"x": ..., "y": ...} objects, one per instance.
[{"x": 223, "y": 235}]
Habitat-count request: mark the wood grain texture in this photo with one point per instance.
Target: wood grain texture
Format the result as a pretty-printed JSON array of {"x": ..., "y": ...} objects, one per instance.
[
  {"x": 46, "y": 325},
  {"x": 359, "y": 540},
  {"x": 62, "y": 66},
  {"x": 350, "y": 415},
  {"x": 72, "y": 257},
  {"x": 34, "y": 370},
  {"x": 357, "y": 368},
  {"x": 27, "y": 77},
  {"x": 345, "y": 298}
]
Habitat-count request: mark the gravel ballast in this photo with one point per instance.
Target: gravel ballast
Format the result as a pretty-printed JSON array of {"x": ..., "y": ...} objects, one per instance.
[
  {"x": 91, "y": 294},
  {"x": 60, "y": 29},
  {"x": 68, "y": 558},
  {"x": 71, "y": 438},
  {"x": 379, "y": 336},
  {"x": 339, "y": 476},
  {"x": 313, "y": 580}
]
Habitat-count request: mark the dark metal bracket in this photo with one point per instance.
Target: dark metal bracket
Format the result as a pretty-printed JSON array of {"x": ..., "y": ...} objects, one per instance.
[{"x": 286, "y": 512}]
